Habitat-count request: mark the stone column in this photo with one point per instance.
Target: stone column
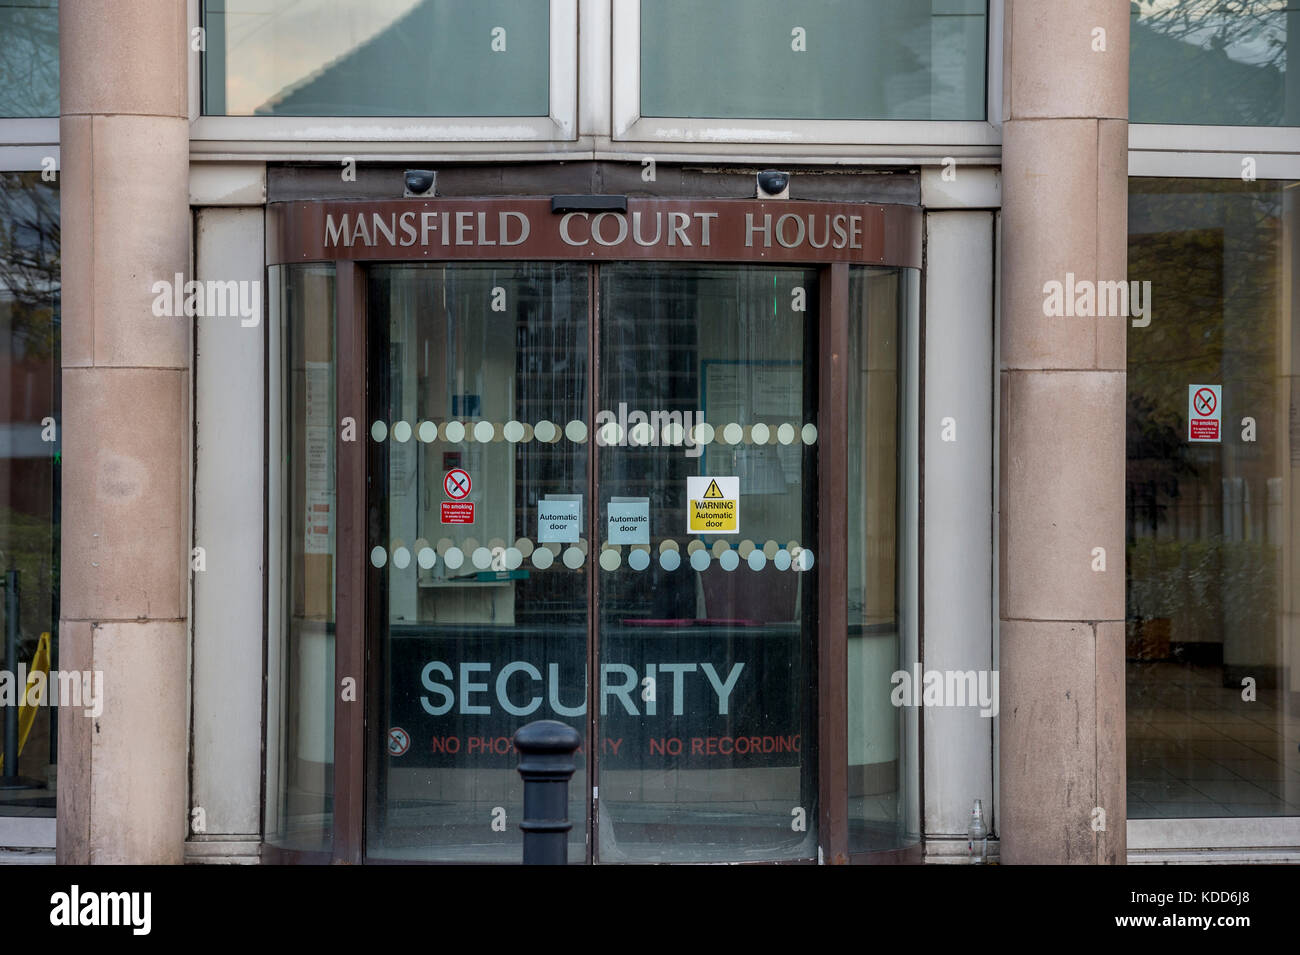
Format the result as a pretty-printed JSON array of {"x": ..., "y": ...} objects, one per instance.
[
  {"x": 124, "y": 139},
  {"x": 1065, "y": 200}
]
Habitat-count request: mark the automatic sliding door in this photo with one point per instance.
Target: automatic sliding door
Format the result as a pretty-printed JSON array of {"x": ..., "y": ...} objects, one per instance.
[
  {"x": 706, "y": 545},
  {"x": 478, "y": 397}
]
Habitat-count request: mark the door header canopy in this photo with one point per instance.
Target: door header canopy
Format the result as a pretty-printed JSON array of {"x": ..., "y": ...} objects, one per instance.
[{"x": 717, "y": 230}]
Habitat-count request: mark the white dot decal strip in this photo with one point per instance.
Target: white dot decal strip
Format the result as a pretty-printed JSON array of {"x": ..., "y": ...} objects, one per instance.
[
  {"x": 497, "y": 555},
  {"x": 610, "y": 434}
]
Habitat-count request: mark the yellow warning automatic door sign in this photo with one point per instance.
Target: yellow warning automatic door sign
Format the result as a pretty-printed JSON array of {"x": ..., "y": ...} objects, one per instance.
[{"x": 712, "y": 505}]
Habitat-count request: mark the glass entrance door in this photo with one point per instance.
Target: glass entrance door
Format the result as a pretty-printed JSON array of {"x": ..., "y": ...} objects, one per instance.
[{"x": 627, "y": 545}]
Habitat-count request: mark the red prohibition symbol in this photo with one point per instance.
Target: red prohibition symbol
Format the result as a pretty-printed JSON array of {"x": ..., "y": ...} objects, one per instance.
[
  {"x": 456, "y": 484},
  {"x": 1204, "y": 402},
  {"x": 399, "y": 741}
]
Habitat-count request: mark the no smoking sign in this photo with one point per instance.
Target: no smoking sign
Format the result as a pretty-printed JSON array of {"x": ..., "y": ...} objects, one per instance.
[
  {"x": 1204, "y": 413},
  {"x": 456, "y": 484}
]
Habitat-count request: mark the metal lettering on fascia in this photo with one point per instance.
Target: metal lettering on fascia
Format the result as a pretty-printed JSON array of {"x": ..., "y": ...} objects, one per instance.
[{"x": 724, "y": 230}]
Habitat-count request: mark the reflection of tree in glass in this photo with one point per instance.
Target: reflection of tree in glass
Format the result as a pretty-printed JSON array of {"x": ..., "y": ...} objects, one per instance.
[
  {"x": 1157, "y": 458},
  {"x": 29, "y": 262},
  {"x": 29, "y": 58},
  {"x": 1209, "y": 62}
]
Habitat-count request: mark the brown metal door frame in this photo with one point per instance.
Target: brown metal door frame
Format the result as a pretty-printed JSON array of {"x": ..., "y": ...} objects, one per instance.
[{"x": 356, "y": 620}]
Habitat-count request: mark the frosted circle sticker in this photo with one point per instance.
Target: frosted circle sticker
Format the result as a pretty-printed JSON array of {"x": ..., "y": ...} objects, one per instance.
[
  {"x": 761, "y": 434},
  {"x": 733, "y": 434},
  {"x": 670, "y": 560},
  {"x": 576, "y": 431},
  {"x": 542, "y": 558},
  {"x": 693, "y": 546},
  {"x": 444, "y": 544},
  {"x": 804, "y": 561},
  {"x": 611, "y": 435},
  {"x": 379, "y": 431},
  {"x": 703, "y": 433},
  {"x": 782, "y": 560},
  {"x": 700, "y": 559},
  {"x": 481, "y": 558},
  {"x": 810, "y": 434},
  {"x": 730, "y": 560},
  {"x": 673, "y": 434},
  {"x": 744, "y": 549},
  {"x": 401, "y": 558},
  {"x": 720, "y": 547},
  {"x": 638, "y": 560},
  {"x": 454, "y": 558},
  {"x": 641, "y": 434},
  {"x": 513, "y": 431},
  {"x": 610, "y": 559},
  {"x": 513, "y": 558},
  {"x": 757, "y": 559},
  {"x": 573, "y": 558},
  {"x": 667, "y": 544},
  {"x": 770, "y": 549},
  {"x": 428, "y": 432},
  {"x": 401, "y": 432},
  {"x": 454, "y": 432},
  {"x": 545, "y": 432},
  {"x": 426, "y": 557},
  {"x": 785, "y": 434},
  {"x": 524, "y": 546},
  {"x": 378, "y": 556},
  {"x": 484, "y": 432}
]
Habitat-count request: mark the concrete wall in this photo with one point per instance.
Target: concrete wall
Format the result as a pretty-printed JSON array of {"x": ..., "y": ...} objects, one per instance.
[
  {"x": 1065, "y": 142},
  {"x": 126, "y": 483}
]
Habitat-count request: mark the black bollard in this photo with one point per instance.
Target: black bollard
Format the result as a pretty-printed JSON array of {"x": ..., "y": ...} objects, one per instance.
[{"x": 546, "y": 749}]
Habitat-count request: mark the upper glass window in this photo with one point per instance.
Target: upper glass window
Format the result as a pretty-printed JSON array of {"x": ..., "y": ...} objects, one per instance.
[
  {"x": 1211, "y": 63},
  {"x": 29, "y": 58},
  {"x": 814, "y": 59},
  {"x": 380, "y": 58}
]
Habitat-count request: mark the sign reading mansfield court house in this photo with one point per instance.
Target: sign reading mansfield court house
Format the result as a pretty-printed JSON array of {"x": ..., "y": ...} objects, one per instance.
[{"x": 720, "y": 230}]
